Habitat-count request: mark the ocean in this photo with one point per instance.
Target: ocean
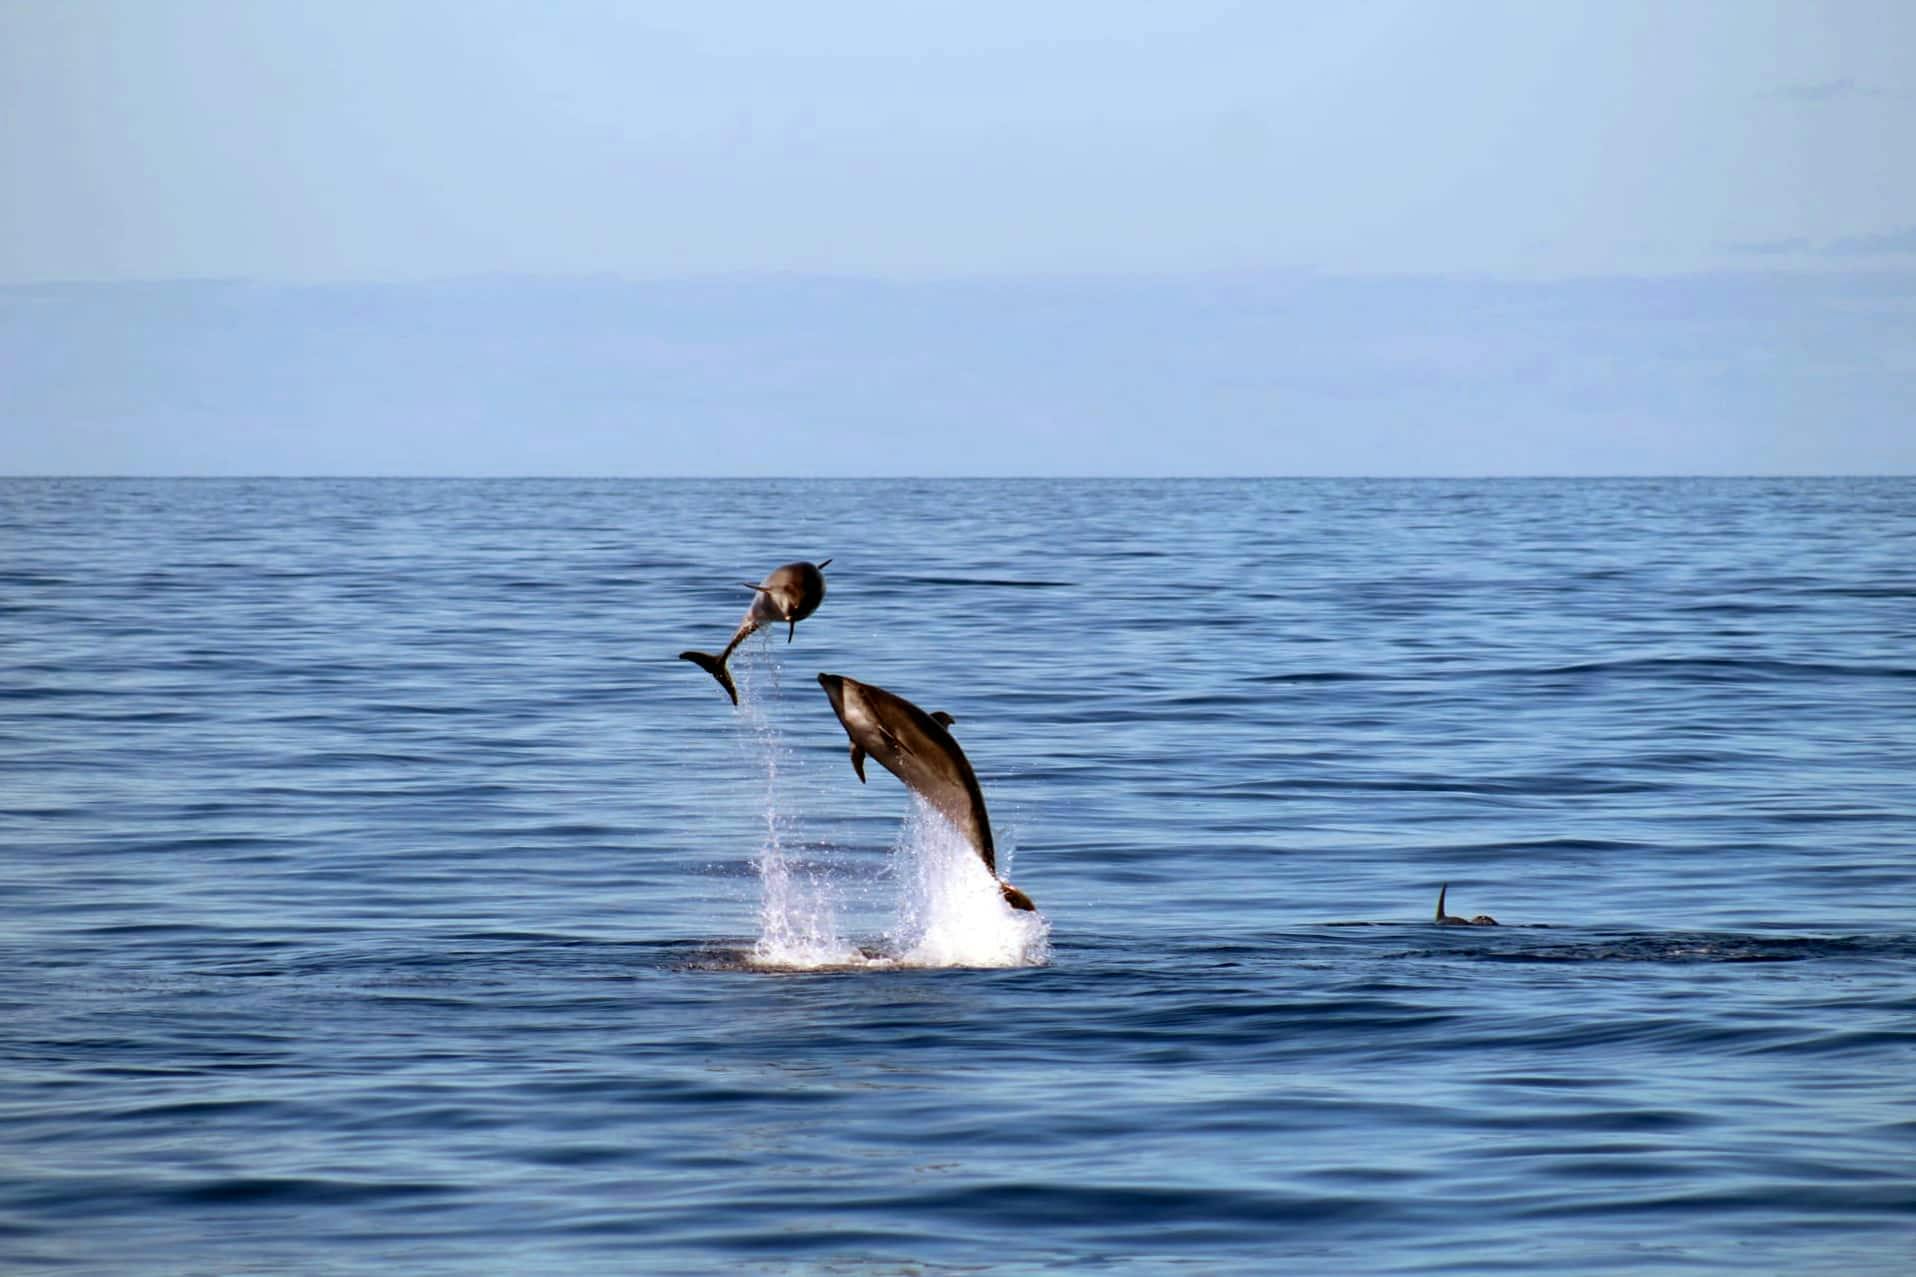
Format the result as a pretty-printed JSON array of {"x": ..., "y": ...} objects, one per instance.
[{"x": 379, "y": 892}]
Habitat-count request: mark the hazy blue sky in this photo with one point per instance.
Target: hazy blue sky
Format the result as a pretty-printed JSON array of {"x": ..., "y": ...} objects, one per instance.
[
  {"x": 381, "y": 140},
  {"x": 1477, "y": 146}
]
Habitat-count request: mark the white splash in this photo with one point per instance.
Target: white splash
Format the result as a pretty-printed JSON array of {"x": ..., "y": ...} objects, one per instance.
[
  {"x": 797, "y": 919},
  {"x": 950, "y": 911},
  {"x": 797, "y": 915}
]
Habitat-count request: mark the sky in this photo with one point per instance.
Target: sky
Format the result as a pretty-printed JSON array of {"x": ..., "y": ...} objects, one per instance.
[{"x": 1128, "y": 185}]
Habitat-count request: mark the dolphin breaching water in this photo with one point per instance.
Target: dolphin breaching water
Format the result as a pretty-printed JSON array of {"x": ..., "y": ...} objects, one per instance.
[
  {"x": 916, "y": 747},
  {"x": 1452, "y": 920},
  {"x": 790, "y": 594}
]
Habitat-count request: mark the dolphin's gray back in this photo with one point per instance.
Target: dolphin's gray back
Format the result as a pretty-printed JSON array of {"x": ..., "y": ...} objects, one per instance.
[{"x": 933, "y": 766}]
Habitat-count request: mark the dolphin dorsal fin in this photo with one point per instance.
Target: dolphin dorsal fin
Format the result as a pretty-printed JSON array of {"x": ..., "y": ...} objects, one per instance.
[
  {"x": 942, "y": 719},
  {"x": 1440, "y": 901},
  {"x": 821, "y": 564}
]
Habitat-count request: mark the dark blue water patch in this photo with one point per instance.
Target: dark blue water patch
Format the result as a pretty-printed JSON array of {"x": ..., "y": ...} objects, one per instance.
[
  {"x": 1702, "y": 670},
  {"x": 1314, "y": 676},
  {"x": 1113, "y": 1210},
  {"x": 987, "y": 583},
  {"x": 1556, "y": 850},
  {"x": 1862, "y": 591},
  {"x": 1725, "y": 669},
  {"x": 1743, "y": 607},
  {"x": 251, "y": 1191},
  {"x": 1848, "y": 1203},
  {"x": 1546, "y": 783},
  {"x": 1700, "y": 947},
  {"x": 37, "y": 692}
]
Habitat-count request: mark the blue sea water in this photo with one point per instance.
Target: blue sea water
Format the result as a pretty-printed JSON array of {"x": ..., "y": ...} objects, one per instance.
[{"x": 378, "y": 892}]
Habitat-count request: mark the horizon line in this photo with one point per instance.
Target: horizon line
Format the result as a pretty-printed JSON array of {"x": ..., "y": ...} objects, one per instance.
[
  {"x": 1903, "y": 264},
  {"x": 940, "y": 478}
]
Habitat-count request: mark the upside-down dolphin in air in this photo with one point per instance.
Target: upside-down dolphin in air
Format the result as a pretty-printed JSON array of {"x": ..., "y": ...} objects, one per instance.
[
  {"x": 915, "y": 747},
  {"x": 1452, "y": 920},
  {"x": 790, "y": 594}
]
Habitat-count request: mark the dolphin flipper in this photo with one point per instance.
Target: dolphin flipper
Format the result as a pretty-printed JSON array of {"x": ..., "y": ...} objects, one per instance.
[{"x": 858, "y": 761}]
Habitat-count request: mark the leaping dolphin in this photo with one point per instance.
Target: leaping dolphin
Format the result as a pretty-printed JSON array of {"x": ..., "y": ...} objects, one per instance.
[
  {"x": 915, "y": 747},
  {"x": 1452, "y": 920},
  {"x": 790, "y": 594}
]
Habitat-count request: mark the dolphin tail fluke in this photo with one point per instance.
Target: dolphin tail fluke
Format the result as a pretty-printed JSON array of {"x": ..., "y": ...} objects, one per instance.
[
  {"x": 715, "y": 666},
  {"x": 1016, "y": 898}
]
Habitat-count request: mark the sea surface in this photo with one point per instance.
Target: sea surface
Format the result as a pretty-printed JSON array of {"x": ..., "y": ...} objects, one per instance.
[{"x": 380, "y": 893}]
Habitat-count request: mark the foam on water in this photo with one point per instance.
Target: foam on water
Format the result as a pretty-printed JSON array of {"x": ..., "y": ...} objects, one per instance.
[{"x": 947, "y": 911}]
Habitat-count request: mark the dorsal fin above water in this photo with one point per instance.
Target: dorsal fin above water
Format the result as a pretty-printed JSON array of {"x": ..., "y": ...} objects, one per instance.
[{"x": 942, "y": 719}]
